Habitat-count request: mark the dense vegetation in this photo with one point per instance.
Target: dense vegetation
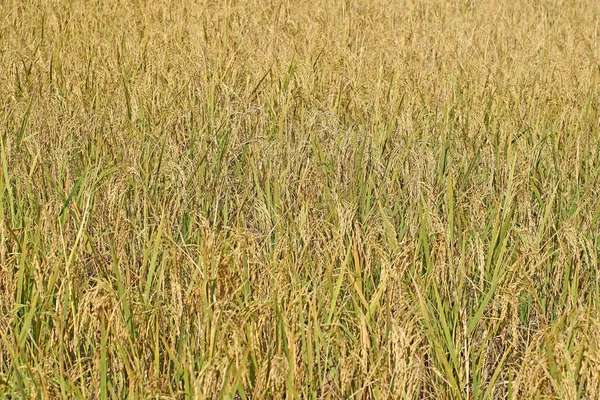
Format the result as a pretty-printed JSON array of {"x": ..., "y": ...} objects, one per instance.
[{"x": 308, "y": 199}]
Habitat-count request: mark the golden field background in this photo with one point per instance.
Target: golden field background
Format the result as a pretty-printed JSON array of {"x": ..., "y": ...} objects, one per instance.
[{"x": 309, "y": 199}]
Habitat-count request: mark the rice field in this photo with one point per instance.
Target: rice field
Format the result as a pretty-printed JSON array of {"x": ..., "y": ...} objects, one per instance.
[{"x": 268, "y": 199}]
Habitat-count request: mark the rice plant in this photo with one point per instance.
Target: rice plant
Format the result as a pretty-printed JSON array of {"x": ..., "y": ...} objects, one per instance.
[{"x": 299, "y": 199}]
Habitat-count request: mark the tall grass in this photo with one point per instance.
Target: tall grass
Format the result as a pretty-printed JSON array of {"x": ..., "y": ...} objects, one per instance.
[{"x": 268, "y": 199}]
